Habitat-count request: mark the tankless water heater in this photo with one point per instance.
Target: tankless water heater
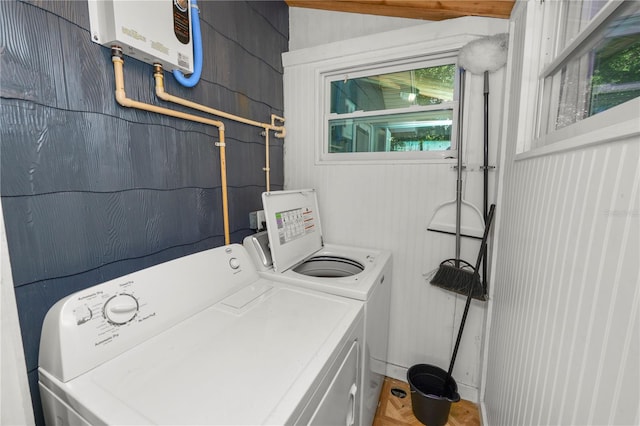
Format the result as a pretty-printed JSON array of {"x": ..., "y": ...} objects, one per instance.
[{"x": 153, "y": 31}]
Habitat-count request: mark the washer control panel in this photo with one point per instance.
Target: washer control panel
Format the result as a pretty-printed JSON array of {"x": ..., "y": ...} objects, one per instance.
[{"x": 93, "y": 325}]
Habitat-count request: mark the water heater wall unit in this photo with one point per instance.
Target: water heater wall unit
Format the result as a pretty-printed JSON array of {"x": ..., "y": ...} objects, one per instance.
[{"x": 153, "y": 31}]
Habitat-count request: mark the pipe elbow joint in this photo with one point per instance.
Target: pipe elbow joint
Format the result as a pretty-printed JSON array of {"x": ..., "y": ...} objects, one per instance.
[
  {"x": 121, "y": 98},
  {"x": 280, "y": 132},
  {"x": 161, "y": 93},
  {"x": 158, "y": 74}
]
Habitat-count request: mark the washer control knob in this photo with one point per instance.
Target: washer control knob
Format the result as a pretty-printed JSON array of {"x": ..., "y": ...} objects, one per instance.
[
  {"x": 121, "y": 309},
  {"x": 234, "y": 263}
]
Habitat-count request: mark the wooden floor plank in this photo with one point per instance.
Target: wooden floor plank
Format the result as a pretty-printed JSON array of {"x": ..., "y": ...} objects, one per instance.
[{"x": 396, "y": 411}]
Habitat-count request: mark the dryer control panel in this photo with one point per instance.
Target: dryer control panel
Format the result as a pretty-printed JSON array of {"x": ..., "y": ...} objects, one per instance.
[
  {"x": 89, "y": 327},
  {"x": 108, "y": 310}
]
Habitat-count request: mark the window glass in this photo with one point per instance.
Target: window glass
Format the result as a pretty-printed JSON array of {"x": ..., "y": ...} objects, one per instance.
[
  {"x": 424, "y": 131},
  {"x": 578, "y": 15},
  {"x": 423, "y": 86},
  {"x": 602, "y": 73},
  {"x": 409, "y": 110}
]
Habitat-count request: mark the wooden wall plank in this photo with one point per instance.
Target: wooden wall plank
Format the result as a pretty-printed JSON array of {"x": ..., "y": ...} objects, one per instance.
[
  {"x": 72, "y": 11},
  {"x": 230, "y": 17},
  {"x": 47, "y": 150},
  {"x": 83, "y": 230},
  {"x": 270, "y": 10},
  {"x": 22, "y": 74},
  {"x": 91, "y": 190}
]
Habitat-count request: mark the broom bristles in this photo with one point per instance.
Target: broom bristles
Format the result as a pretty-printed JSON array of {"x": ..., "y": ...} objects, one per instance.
[{"x": 458, "y": 280}]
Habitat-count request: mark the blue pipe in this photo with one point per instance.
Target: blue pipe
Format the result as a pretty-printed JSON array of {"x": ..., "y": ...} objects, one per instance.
[{"x": 193, "y": 79}]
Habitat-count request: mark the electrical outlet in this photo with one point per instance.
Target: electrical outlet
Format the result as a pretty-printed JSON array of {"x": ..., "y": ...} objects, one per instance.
[{"x": 257, "y": 220}]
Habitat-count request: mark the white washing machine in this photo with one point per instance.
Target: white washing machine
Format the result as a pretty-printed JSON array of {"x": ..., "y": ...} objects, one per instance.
[
  {"x": 201, "y": 340},
  {"x": 292, "y": 250}
]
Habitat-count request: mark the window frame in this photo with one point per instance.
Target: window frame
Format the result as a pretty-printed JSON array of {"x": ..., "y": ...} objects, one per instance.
[
  {"x": 330, "y": 74},
  {"x": 613, "y": 124}
]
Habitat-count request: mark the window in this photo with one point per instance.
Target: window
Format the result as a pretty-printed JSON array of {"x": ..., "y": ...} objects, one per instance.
[
  {"x": 594, "y": 66},
  {"x": 402, "y": 112}
]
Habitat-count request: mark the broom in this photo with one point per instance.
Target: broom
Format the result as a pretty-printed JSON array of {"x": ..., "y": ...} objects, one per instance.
[{"x": 460, "y": 276}]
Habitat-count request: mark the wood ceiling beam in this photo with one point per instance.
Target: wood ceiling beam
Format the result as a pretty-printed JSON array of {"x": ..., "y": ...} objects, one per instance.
[{"x": 417, "y": 9}]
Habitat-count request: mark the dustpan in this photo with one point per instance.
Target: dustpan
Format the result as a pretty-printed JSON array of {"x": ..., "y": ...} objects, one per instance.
[{"x": 471, "y": 221}]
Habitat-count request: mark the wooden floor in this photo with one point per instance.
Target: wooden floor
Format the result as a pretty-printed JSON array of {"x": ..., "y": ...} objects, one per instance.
[{"x": 396, "y": 411}]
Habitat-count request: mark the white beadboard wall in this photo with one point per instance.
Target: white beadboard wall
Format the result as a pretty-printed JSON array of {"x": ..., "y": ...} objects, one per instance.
[
  {"x": 389, "y": 205},
  {"x": 564, "y": 345}
]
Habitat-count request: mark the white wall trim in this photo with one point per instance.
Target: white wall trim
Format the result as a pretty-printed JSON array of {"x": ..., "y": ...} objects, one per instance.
[
  {"x": 418, "y": 37},
  {"x": 484, "y": 420},
  {"x": 15, "y": 398},
  {"x": 602, "y": 128},
  {"x": 405, "y": 46}
]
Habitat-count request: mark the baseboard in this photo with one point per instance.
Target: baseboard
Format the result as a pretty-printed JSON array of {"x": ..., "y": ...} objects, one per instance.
[
  {"x": 469, "y": 393},
  {"x": 484, "y": 421}
]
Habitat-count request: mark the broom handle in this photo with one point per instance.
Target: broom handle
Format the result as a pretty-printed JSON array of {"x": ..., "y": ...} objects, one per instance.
[
  {"x": 485, "y": 197},
  {"x": 476, "y": 274},
  {"x": 459, "y": 180}
]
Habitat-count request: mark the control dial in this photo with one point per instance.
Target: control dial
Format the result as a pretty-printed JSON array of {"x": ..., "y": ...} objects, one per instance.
[
  {"x": 234, "y": 263},
  {"x": 121, "y": 309}
]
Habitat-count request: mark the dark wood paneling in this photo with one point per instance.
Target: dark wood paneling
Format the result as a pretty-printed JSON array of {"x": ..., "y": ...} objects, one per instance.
[
  {"x": 75, "y": 231},
  {"x": 47, "y": 150},
  {"x": 231, "y": 19},
  {"x": 72, "y": 11},
  {"x": 82, "y": 76},
  {"x": 28, "y": 73},
  {"x": 90, "y": 190},
  {"x": 272, "y": 11}
]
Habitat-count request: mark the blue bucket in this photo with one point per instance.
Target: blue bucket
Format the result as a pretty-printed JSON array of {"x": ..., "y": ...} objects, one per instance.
[{"x": 431, "y": 398}]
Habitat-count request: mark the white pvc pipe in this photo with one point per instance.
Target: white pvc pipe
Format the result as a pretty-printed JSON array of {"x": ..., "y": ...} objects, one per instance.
[
  {"x": 280, "y": 131},
  {"x": 121, "y": 98}
]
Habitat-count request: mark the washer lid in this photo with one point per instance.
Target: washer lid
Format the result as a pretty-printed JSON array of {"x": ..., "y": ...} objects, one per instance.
[{"x": 293, "y": 226}]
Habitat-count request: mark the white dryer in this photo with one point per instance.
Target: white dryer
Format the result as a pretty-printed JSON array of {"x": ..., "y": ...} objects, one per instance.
[
  {"x": 293, "y": 250},
  {"x": 201, "y": 340}
]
